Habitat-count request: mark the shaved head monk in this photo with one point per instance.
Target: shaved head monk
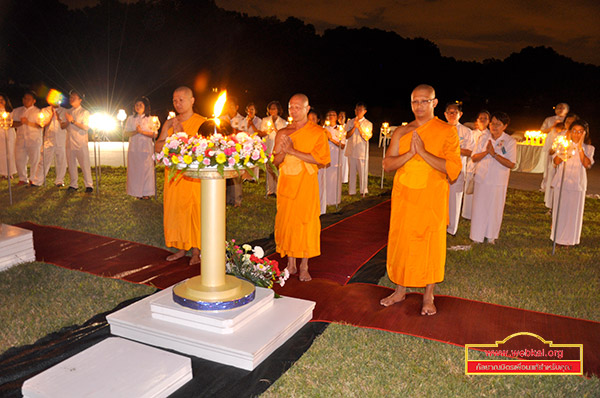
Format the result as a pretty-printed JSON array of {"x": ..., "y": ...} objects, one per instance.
[
  {"x": 182, "y": 196},
  {"x": 300, "y": 149},
  {"x": 425, "y": 154}
]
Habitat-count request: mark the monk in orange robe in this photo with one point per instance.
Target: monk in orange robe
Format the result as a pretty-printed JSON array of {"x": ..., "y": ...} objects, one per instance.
[
  {"x": 300, "y": 149},
  {"x": 425, "y": 154},
  {"x": 181, "y": 199}
]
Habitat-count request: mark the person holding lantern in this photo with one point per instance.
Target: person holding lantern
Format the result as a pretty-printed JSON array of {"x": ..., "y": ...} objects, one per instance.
[
  {"x": 359, "y": 131},
  {"x": 7, "y": 136},
  {"x": 550, "y": 167},
  {"x": 55, "y": 139},
  {"x": 495, "y": 155},
  {"x": 567, "y": 219},
  {"x": 140, "y": 165},
  {"x": 269, "y": 127},
  {"x": 26, "y": 120},
  {"x": 182, "y": 196},
  {"x": 425, "y": 154},
  {"x": 300, "y": 149}
]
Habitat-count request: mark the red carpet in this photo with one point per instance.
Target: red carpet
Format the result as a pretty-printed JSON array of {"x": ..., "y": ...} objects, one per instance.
[{"x": 346, "y": 246}]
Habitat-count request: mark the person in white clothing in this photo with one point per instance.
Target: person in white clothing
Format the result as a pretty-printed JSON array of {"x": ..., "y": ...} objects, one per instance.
[
  {"x": 234, "y": 185},
  {"x": 342, "y": 127},
  {"x": 140, "y": 165},
  {"x": 77, "y": 143},
  {"x": 453, "y": 114},
  {"x": 549, "y": 166},
  {"x": 251, "y": 123},
  {"x": 55, "y": 139},
  {"x": 29, "y": 137},
  {"x": 359, "y": 131},
  {"x": 337, "y": 143},
  {"x": 481, "y": 124},
  {"x": 495, "y": 155},
  {"x": 269, "y": 127},
  {"x": 560, "y": 111},
  {"x": 567, "y": 217},
  {"x": 7, "y": 141}
]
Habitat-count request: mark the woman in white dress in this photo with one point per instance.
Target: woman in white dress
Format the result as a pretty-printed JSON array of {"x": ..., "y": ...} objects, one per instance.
[
  {"x": 550, "y": 167},
  {"x": 337, "y": 144},
  {"x": 481, "y": 124},
  {"x": 7, "y": 137},
  {"x": 140, "y": 165},
  {"x": 568, "y": 215},
  {"x": 269, "y": 128},
  {"x": 495, "y": 155}
]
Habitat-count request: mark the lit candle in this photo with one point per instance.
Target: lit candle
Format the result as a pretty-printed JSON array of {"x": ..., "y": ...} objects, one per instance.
[
  {"x": 290, "y": 120},
  {"x": 327, "y": 123},
  {"x": 41, "y": 119},
  {"x": 171, "y": 115}
]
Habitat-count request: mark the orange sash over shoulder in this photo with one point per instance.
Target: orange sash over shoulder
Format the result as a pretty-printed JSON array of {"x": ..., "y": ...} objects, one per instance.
[
  {"x": 297, "y": 224},
  {"x": 182, "y": 202},
  {"x": 417, "y": 239}
]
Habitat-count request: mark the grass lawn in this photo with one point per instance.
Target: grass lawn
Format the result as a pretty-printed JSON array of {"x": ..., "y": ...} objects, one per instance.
[{"x": 518, "y": 271}]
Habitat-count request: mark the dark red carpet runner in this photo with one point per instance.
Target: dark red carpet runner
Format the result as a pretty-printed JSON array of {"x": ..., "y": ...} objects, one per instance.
[{"x": 345, "y": 247}]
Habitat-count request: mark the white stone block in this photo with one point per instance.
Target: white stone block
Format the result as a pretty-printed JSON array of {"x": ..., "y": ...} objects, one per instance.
[
  {"x": 16, "y": 246},
  {"x": 114, "y": 367}
]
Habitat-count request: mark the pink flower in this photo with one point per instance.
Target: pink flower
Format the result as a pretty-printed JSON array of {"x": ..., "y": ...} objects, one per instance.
[
  {"x": 255, "y": 155},
  {"x": 231, "y": 162},
  {"x": 206, "y": 161},
  {"x": 166, "y": 161},
  {"x": 229, "y": 151}
]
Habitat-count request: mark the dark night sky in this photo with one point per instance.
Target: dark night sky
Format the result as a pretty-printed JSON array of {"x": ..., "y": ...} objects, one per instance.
[{"x": 464, "y": 29}]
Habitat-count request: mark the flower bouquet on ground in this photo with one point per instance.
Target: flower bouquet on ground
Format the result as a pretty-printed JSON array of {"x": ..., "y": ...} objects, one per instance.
[
  {"x": 236, "y": 151},
  {"x": 249, "y": 263}
]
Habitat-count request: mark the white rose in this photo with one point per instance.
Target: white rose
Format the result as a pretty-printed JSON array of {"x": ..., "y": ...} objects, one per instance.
[
  {"x": 246, "y": 247},
  {"x": 259, "y": 252}
]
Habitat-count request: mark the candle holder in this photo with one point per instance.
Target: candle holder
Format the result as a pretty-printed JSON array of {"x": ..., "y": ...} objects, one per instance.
[{"x": 213, "y": 289}]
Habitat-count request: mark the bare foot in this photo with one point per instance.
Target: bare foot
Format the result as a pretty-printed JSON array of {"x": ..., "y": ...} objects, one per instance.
[
  {"x": 304, "y": 275},
  {"x": 176, "y": 256},
  {"x": 291, "y": 267},
  {"x": 396, "y": 297},
  {"x": 428, "y": 308},
  {"x": 195, "y": 256}
]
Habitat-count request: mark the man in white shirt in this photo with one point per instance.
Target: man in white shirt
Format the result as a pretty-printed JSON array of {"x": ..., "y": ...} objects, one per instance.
[
  {"x": 234, "y": 185},
  {"x": 453, "y": 114},
  {"x": 29, "y": 137},
  {"x": 77, "y": 143},
  {"x": 561, "y": 111},
  {"x": 55, "y": 139},
  {"x": 359, "y": 131}
]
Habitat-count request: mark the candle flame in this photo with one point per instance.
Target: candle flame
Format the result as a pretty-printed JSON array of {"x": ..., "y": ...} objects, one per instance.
[
  {"x": 5, "y": 115},
  {"x": 171, "y": 115},
  {"x": 327, "y": 123},
  {"x": 220, "y": 104}
]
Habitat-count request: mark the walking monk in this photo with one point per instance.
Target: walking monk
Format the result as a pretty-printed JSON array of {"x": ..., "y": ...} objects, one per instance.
[
  {"x": 425, "y": 154},
  {"x": 182, "y": 196},
  {"x": 300, "y": 149}
]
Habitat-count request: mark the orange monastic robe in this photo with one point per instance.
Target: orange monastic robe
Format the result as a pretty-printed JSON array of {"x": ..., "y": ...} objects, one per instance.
[
  {"x": 417, "y": 239},
  {"x": 297, "y": 224},
  {"x": 182, "y": 202}
]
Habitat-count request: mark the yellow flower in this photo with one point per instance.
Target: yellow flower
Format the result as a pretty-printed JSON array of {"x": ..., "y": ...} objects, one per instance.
[
  {"x": 187, "y": 159},
  {"x": 174, "y": 159},
  {"x": 236, "y": 157},
  {"x": 211, "y": 144},
  {"x": 200, "y": 158},
  {"x": 238, "y": 147},
  {"x": 166, "y": 150},
  {"x": 221, "y": 158}
]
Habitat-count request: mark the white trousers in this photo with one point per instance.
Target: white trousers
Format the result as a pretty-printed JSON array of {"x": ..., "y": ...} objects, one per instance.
[
  {"x": 50, "y": 154},
  {"x": 24, "y": 152},
  {"x": 81, "y": 156},
  {"x": 454, "y": 203},
  {"x": 357, "y": 166}
]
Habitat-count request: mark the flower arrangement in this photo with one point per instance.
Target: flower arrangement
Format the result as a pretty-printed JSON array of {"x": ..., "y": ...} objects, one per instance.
[
  {"x": 237, "y": 151},
  {"x": 249, "y": 263}
]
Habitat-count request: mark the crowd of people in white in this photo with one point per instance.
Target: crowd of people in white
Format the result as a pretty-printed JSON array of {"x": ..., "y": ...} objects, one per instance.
[{"x": 488, "y": 154}]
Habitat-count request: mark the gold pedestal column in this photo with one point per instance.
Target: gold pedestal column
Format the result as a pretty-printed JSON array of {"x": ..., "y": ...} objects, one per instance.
[{"x": 213, "y": 289}]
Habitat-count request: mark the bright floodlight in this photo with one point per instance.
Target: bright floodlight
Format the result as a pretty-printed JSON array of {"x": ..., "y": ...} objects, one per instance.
[
  {"x": 103, "y": 122},
  {"x": 121, "y": 115}
]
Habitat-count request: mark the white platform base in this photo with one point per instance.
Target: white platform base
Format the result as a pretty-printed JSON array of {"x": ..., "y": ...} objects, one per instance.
[
  {"x": 114, "y": 367},
  {"x": 231, "y": 337},
  {"x": 16, "y": 246}
]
